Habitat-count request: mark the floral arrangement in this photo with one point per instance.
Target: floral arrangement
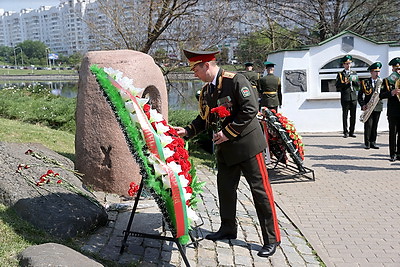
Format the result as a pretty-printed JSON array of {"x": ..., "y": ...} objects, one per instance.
[
  {"x": 222, "y": 112},
  {"x": 291, "y": 130},
  {"x": 158, "y": 150}
]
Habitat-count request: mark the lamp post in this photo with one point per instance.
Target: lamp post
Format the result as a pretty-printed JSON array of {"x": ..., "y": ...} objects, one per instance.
[
  {"x": 15, "y": 57},
  {"x": 47, "y": 56}
]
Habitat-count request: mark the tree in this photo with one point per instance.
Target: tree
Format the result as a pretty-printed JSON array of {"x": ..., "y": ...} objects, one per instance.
[
  {"x": 322, "y": 19},
  {"x": 6, "y": 54},
  {"x": 33, "y": 52},
  {"x": 134, "y": 24},
  {"x": 256, "y": 46}
]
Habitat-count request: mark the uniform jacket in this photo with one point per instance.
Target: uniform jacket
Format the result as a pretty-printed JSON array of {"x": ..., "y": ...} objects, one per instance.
[
  {"x": 393, "y": 103},
  {"x": 345, "y": 89},
  {"x": 270, "y": 91},
  {"x": 253, "y": 77},
  {"x": 242, "y": 128},
  {"x": 366, "y": 92}
]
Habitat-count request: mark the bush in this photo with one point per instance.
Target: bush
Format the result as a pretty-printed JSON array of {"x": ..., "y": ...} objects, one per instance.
[{"x": 35, "y": 104}]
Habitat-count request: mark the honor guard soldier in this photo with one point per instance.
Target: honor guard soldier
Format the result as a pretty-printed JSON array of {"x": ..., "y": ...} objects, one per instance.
[
  {"x": 391, "y": 91},
  {"x": 239, "y": 146},
  {"x": 252, "y": 76},
  {"x": 371, "y": 105},
  {"x": 347, "y": 84},
  {"x": 270, "y": 88}
]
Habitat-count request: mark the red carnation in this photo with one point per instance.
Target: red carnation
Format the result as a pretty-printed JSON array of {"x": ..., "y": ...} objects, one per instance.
[{"x": 221, "y": 111}]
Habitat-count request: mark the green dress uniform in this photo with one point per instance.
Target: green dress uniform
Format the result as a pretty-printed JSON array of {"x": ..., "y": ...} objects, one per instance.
[
  {"x": 242, "y": 153},
  {"x": 393, "y": 111},
  {"x": 368, "y": 88},
  {"x": 348, "y": 96},
  {"x": 270, "y": 91},
  {"x": 253, "y": 77}
]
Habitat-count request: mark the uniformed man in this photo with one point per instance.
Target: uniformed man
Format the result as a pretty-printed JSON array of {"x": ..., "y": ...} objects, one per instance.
[
  {"x": 347, "y": 84},
  {"x": 251, "y": 75},
  {"x": 270, "y": 88},
  {"x": 239, "y": 146},
  {"x": 391, "y": 91},
  {"x": 368, "y": 98}
]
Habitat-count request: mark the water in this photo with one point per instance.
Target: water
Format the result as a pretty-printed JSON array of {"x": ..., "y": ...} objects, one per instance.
[
  {"x": 181, "y": 94},
  {"x": 62, "y": 88}
]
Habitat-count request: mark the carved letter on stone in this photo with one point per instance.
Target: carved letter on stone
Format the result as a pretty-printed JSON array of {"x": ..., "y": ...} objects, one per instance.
[
  {"x": 295, "y": 81},
  {"x": 107, "y": 158}
]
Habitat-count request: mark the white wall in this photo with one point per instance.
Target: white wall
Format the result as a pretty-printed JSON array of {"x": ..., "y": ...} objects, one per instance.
[{"x": 314, "y": 111}]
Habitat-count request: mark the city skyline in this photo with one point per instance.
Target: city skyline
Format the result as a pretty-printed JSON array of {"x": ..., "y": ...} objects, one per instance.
[{"x": 12, "y": 5}]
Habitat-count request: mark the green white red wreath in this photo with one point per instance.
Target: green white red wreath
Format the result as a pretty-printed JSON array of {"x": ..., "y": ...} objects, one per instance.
[{"x": 157, "y": 148}]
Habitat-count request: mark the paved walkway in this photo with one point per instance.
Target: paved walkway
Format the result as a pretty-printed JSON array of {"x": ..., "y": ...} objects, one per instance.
[{"x": 348, "y": 216}]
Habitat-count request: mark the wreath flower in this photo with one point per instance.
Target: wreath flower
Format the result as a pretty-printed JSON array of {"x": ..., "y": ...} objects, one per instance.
[
  {"x": 157, "y": 148},
  {"x": 291, "y": 130}
]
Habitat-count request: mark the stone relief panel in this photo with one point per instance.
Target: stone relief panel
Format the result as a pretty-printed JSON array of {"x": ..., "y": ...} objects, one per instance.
[{"x": 295, "y": 81}]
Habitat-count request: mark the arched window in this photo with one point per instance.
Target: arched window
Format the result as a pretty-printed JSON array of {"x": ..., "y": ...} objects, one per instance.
[{"x": 327, "y": 74}]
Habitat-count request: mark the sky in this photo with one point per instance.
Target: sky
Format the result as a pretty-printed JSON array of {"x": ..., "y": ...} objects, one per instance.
[{"x": 17, "y": 5}]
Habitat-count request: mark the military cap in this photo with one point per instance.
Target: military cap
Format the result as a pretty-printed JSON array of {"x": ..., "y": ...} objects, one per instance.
[
  {"x": 346, "y": 58},
  {"x": 375, "y": 67},
  {"x": 269, "y": 64},
  {"x": 196, "y": 57},
  {"x": 247, "y": 64},
  {"x": 395, "y": 62}
]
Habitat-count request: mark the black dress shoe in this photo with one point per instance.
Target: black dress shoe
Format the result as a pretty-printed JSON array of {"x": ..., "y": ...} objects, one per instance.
[
  {"x": 220, "y": 235},
  {"x": 398, "y": 157},
  {"x": 268, "y": 250},
  {"x": 352, "y": 135},
  {"x": 366, "y": 147},
  {"x": 345, "y": 135},
  {"x": 374, "y": 147},
  {"x": 392, "y": 158}
]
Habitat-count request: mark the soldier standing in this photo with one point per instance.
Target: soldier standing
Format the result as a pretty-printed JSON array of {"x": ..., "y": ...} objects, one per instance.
[
  {"x": 371, "y": 87},
  {"x": 239, "y": 146},
  {"x": 347, "y": 84},
  {"x": 391, "y": 91},
  {"x": 270, "y": 88},
  {"x": 252, "y": 76}
]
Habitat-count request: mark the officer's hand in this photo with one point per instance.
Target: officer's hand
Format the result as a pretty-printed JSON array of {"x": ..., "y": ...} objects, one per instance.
[
  {"x": 219, "y": 138},
  {"x": 396, "y": 91},
  {"x": 181, "y": 131}
]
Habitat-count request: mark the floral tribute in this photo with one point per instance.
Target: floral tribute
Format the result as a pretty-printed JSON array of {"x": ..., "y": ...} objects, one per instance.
[
  {"x": 291, "y": 130},
  {"x": 222, "y": 112},
  {"x": 158, "y": 150}
]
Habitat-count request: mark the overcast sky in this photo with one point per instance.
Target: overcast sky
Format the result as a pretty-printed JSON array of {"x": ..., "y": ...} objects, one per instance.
[{"x": 17, "y": 5}]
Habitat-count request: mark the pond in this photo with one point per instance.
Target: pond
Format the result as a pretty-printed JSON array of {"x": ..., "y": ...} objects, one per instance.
[{"x": 181, "y": 94}]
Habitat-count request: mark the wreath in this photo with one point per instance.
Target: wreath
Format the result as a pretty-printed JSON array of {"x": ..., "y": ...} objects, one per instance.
[
  {"x": 282, "y": 137},
  {"x": 157, "y": 148}
]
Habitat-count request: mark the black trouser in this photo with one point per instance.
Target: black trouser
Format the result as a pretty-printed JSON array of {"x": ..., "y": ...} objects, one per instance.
[
  {"x": 371, "y": 128},
  {"x": 394, "y": 135},
  {"x": 346, "y": 107},
  {"x": 255, "y": 172}
]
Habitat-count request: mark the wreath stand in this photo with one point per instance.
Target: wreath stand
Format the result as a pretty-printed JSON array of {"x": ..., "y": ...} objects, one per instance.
[
  {"x": 128, "y": 232},
  {"x": 280, "y": 143}
]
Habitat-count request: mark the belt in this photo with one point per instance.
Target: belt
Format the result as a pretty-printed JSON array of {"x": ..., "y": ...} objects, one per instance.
[{"x": 269, "y": 93}]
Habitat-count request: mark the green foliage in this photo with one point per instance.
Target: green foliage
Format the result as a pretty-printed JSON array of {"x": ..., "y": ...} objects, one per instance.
[
  {"x": 32, "y": 51},
  {"x": 256, "y": 46},
  {"x": 181, "y": 118},
  {"x": 35, "y": 104}
]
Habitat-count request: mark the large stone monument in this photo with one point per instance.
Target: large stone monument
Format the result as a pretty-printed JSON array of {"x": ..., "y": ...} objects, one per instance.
[{"x": 102, "y": 154}]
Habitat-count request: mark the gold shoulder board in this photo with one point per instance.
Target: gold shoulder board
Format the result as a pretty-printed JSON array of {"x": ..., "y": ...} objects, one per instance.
[{"x": 228, "y": 74}]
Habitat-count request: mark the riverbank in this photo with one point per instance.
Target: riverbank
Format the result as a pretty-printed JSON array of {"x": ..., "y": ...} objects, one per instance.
[{"x": 32, "y": 77}]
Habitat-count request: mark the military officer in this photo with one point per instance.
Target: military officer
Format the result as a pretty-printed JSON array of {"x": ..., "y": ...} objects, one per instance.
[
  {"x": 239, "y": 146},
  {"x": 347, "y": 84},
  {"x": 251, "y": 75},
  {"x": 270, "y": 88},
  {"x": 391, "y": 91},
  {"x": 371, "y": 87}
]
